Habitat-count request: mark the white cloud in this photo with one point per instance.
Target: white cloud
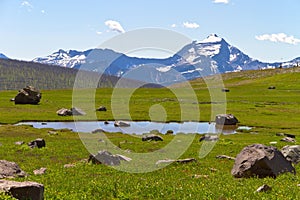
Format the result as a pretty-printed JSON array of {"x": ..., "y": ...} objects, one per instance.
[
  {"x": 173, "y": 25},
  {"x": 114, "y": 26},
  {"x": 279, "y": 37},
  {"x": 98, "y": 32},
  {"x": 190, "y": 25},
  {"x": 27, "y": 5},
  {"x": 43, "y": 11},
  {"x": 221, "y": 1}
]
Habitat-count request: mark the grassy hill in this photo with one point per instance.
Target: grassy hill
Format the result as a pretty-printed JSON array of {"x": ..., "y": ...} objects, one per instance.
[{"x": 17, "y": 74}]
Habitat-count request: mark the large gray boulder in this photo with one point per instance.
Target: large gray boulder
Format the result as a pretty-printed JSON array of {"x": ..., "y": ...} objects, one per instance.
[
  {"x": 10, "y": 170},
  {"x": 64, "y": 112},
  {"x": 23, "y": 190},
  {"x": 107, "y": 158},
  {"x": 226, "y": 119},
  {"x": 39, "y": 143},
  {"x": 261, "y": 161},
  {"x": 28, "y": 95},
  {"x": 70, "y": 112},
  {"x": 291, "y": 153},
  {"x": 152, "y": 137}
]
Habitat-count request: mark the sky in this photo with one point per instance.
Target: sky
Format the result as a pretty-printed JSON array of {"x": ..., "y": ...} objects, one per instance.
[{"x": 267, "y": 30}]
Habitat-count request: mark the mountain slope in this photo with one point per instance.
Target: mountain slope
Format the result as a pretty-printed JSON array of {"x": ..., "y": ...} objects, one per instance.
[
  {"x": 199, "y": 58},
  {"x": 2, "y": 56}
]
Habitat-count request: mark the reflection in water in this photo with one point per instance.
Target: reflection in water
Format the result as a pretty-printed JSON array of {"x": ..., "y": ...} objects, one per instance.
[{"x": 138, "y": 127}]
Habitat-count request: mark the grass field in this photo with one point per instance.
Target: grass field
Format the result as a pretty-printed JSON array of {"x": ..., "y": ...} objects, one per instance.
[{"x": 249, "y": 99}]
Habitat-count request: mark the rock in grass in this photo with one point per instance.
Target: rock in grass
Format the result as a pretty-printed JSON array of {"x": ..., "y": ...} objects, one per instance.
[
  {"x": 211, "y": 138},
  {"x": 39, "y": 143},
  {"x": 23, "y": 190},
  {"x": 28, "y": 95},
  {"x": 70, "y": 112},
  {"x": 226, "y": 119},
  {"x": 152, "y": 137},
  {"x": 40, "y": 171},
  {"x": 107, "y": 158},
  {"x": 261, "y": 161},
  {"x": 182, "y": 161},
  {"x": 225, "y": 157},
  {"x": 169, "y": 132},
  {"x": 64, "y": 112},
  {"x": 10, "y": 170},
  {"x": 288, "y": 139},
  {"x": 291, "y": 153},
  {"x": 77, "y": 111},
  {"x": 19, "y": 143},
  {"x": 102, "y": 108},
  {"x": 264, "y": 188},
  {"x": 99, "y": 130}
]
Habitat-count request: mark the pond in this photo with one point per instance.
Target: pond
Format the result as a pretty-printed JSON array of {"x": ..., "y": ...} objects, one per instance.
[{"x": 139, "y": 127}]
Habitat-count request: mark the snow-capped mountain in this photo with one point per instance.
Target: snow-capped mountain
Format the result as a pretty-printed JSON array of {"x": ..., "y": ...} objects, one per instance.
[
  {"x": 2, "y": 56},
  {"x": 199, "y": 58}
]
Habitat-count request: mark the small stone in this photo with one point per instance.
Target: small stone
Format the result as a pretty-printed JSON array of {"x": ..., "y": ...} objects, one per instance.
[
  {"x": 69, "y": 165},
  {"x": 225, "y": 157},
  {"x": 264, "y": 188},
  {"x": 40, "y": 171},
  {"x": 211, "y": 138},
  {"x": 52, "y": 133},
  {"x": 19, "y": 143}
]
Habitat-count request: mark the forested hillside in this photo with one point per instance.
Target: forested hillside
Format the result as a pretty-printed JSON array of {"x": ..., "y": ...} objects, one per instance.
[{"x": 17, "y": 74}]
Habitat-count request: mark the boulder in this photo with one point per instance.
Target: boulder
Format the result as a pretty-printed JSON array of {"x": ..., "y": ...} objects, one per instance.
[
  {"x": 64, "y": 112},
  {"x": 99, "y": 130},
  {"x": 169, "y": 132},
  {"x": 39, "y": 143},
  {"x": 288, "y": 139},
  {"x": 152, "y": 137},
  {"x": 10, "y": 170},
  {"x": 28, "y": 95},
  {"x": 70, "y": 112},
  {"x": 290, "y": 135},
  {"x": 226, "y": 119},
  {"x": 291, "y": 153},
  {"x": 101, "y": 108},
  {"x": 209, "y": 138},
  {"x": 121, "y": 124},
  {"x": 77, "y": 111},
  {"x": 106, "y": 122},
  {"x": 107, "y": 158},
  {"x": 23, "y": 190},
  {"x": 261, "y": 161}
]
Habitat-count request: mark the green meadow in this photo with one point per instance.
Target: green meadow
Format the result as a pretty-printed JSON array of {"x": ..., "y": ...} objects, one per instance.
[{"x": 267, "y": 111}]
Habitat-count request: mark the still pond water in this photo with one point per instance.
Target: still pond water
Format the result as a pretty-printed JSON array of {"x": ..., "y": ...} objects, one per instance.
[{"x": 138, "y": 127}]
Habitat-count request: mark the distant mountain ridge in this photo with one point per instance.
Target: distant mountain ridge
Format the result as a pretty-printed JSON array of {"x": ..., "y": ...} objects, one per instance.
[
  {"x": 199, "y": 58},
  {"x": 2, "y": 56}
]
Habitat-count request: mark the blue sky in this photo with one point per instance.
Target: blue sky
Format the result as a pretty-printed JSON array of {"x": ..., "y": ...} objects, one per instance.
[{"x": 267, "y": 30}]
